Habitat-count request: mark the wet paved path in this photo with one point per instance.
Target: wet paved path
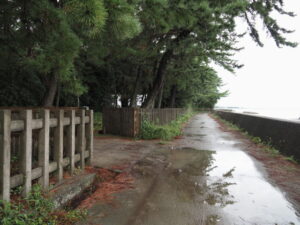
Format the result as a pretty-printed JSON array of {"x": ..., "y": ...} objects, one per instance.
[
  {"x": 204, "y": 178},
  {"x": 254, "y": 199}
]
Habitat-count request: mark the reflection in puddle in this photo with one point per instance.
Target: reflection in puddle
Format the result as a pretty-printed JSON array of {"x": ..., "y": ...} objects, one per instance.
[
  {"x": 206, "y": 187},
  {"x": 256, "y": 200},
  {"x": 219, "y": 195},
  {"x": 229, "y": 173},
  {"x": 182, "y": 195},
  {"x": 227, "y": 142},
  {"x": 212, "y": 220},
  {"x": 194, "y": 135}
]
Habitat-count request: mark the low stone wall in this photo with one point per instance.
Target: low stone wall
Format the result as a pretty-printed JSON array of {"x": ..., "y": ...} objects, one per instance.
[{"x": 282, "y": 134}]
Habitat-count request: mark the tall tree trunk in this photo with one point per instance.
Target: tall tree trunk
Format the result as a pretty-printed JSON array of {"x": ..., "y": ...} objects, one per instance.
[
  {"x": 160, "y": 96},
  {"x": 51, "y": 91},
  {"x": 124, "y": 101},
  {"x": 159, "y": 79},
  {"x": 133, "y": 102},
  {"x": 115, "y": 101},
  {"x": 78, "y": 101},
  {"x": 173, "y": 96},
  {"x": 58, "y": 94},
  {"x": 143, "y": 98}
]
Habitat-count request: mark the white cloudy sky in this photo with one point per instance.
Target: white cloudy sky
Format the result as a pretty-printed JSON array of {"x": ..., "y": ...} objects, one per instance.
[{"x": 271, "y": 76}]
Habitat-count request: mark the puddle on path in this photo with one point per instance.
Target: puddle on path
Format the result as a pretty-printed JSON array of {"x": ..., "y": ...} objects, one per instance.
[
  {"x": 256, "y": 201},
  {"x": 182, "y": 194},
  {"x": 208, "y": 187},
  {"x": 194, "y": 135}
]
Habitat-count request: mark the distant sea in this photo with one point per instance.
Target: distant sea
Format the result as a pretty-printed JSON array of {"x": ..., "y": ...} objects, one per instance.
[{"x": 280, "y": 113}]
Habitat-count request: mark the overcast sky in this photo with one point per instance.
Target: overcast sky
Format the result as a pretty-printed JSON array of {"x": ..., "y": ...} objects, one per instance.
[{"x": 271, "y": 76}]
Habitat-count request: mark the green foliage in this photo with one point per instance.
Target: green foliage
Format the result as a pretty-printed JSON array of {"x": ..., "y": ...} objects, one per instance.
[
  {"x": 38, "y": 45},
  {"x": 264, "y": 10},
  {"x": 165, "y": 132},
  {"x": 97, "y": 121},
  {"x": 87, "y": 17},
  {"x": 291, "y": 159},
  {"x": 270, "y": 149},
  {"x": 197, "y": 84},
  {"x": 36, "y": 209},
  {"x": 234, "y": 127},
  {"x": 123, "y": 23},
  {"x": 97, "y": 49}
]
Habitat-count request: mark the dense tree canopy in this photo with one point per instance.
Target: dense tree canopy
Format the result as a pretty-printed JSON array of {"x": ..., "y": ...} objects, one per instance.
[{"x": 92, "y": 52}]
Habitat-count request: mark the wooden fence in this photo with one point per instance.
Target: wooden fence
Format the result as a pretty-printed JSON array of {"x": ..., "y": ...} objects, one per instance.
[
  {"x": 35, "y": 143},
  {"x": 127, "y": 121},
  {"x": 161, "y": 116},
  {"x": 121, "y": 121}
]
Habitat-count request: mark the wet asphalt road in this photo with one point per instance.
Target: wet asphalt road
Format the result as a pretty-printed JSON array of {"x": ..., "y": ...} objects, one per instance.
[{"x": 205, "y": 178}]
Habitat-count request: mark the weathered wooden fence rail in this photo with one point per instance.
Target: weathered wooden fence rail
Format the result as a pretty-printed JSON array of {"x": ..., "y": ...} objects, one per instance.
[
  {"x": 161, "y": 116},
  {"x": 127, "y": 121},
  {"x": 121, "y": 121},
  {"x": 37, "y": 142}
]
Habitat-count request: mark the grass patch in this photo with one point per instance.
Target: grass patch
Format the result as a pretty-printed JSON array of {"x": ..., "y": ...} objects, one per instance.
[
  {"x": 163, "y": 142},
  {"x": 36, "y": 209},
  {"x": 166, "y": 132},
  {"x": 97, "y": 121},
  {"x": 291, "y": 159}
]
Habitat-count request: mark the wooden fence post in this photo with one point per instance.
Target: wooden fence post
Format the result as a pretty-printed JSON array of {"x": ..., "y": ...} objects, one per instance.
[
  {"x": 136, "y": 122},
  {"x": 26, "y": 155},
  {"x": 104, "y": 120},
  {"x": 71, "y": 140},
  {"x": 5, "y": 148},
  {"x": 81, "y": 135},
  {"x": 44, "y": 143},
  {"x": 173, "y": 114},
  {"x": 90, "y": 136},
  {"x": 58, "y": 143}
]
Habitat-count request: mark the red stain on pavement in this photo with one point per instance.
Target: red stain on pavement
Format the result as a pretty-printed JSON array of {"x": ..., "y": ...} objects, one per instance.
[{"x": 110, "y": 184}]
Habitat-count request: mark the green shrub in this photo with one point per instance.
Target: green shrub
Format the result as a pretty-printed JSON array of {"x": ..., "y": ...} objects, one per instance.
[
  {"x": 165, "y": 132},
  {"x": 35, "y": 210},
  {"x": 97, "y": 121}
]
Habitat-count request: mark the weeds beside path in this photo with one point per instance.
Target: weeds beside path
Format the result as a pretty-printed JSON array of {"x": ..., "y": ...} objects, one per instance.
[
  {"x": 164, "y": 132},
  {"x": 36, "y": 209}
]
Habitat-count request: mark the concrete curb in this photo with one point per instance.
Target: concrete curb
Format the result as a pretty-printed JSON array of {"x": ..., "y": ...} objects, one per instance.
[{"x": 71, "y": 189}]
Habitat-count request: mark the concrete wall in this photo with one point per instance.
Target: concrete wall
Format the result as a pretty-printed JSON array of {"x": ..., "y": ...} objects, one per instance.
[{"x": 283, "y": 134}]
